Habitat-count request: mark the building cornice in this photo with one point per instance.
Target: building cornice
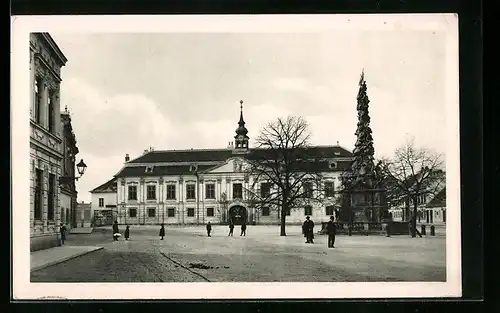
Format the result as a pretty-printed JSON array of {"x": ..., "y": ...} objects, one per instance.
[
  {"x": 39, "y": 127},
  {"x": 47, "y": 150},
  {"x": 214, "y": 163},
  {"x": 48, "y": 67},
  {"x": 55, "y": 48}
]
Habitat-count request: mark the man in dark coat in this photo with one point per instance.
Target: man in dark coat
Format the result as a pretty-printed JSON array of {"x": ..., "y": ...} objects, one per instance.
[
  {"x": 63, "y": 233},
  {"x": 332, "y": 231},
  {"x": 162, "y": 231},
  {"x": 115, "y": 231},
  {"x": 243, "y": 229},
  {"x": 231, "y": 228},
  {"x": 308, "y": 228},
  {"x": 127, "y": 232},
  {"x": 209, "y": 229}
]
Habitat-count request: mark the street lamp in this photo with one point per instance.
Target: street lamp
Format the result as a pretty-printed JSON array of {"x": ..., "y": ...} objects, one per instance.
[{"x": 81, "y": 167}]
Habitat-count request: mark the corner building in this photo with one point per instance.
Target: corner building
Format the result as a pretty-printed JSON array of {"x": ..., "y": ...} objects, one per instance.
[
  {"x": 209, "y": 185},
  {"x": 46, "y": 140}
]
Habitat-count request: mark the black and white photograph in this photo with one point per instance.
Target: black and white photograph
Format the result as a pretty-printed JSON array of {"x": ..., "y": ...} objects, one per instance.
[{"x": 236, "y": 156}]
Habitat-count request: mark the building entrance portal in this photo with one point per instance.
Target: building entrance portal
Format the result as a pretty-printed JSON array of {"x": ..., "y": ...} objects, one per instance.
[{"x": 238, "y": 215}]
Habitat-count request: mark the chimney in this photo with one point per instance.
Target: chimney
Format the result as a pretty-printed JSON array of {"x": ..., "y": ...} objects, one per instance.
[
  {"x": 127, "y": 158},
  {"x": 145, "y": 151}
]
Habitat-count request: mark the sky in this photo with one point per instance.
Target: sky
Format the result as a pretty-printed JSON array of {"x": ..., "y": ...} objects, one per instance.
[{"x": 127, "y": 92}]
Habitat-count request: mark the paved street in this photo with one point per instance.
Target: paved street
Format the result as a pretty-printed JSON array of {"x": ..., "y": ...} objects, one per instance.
[{"x": 187, "y": 255}]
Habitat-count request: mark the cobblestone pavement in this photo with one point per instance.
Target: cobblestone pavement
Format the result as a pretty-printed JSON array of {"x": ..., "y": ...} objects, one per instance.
[{"x": 188, "y": 255}]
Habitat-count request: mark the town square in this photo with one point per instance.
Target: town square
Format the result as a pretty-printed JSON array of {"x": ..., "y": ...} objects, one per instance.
[{"x": 240, "y": 157}]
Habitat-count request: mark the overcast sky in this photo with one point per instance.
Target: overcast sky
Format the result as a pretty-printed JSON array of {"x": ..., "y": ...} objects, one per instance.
[{"x": 127, "y": 92}]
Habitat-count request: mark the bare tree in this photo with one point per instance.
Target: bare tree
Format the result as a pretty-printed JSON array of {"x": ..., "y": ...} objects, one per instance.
[
  {"x": 414, "y": 172},
  {"x": 292, "y": 169}
]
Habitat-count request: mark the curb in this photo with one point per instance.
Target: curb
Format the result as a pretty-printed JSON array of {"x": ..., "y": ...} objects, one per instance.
[{"x": 64, "y": 259}]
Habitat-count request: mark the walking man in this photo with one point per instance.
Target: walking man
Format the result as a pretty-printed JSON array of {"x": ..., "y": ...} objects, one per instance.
[
  {"x": 231, "y": 228},
  {"x": 308, "y": 228},
  {"x": 332, "y": 231},
  {"x": 127, "y": 232},
  {"x": 162, "y": 231},
  {"x": 243, "y": 229},
  {"x": 209, "y": 229},
  {"x": 63, "y": 233}
]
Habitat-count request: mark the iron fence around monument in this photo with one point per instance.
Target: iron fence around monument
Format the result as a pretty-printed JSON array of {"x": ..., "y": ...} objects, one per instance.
[{"x": 369, "y": 228}]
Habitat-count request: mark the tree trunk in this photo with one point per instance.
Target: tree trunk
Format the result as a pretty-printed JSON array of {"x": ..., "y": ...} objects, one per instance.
[
  {"x": 284, "y": 209},
  {"x": 414, "y": 220}
]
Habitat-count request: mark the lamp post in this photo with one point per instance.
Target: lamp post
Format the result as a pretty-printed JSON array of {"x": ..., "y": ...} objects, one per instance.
[{"x": 81, "y": 167}]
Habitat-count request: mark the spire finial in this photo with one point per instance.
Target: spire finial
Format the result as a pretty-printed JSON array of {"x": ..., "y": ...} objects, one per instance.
[
  {"x": 362, "y": 78},
  {"x": 241, "y": 105},
  {"x": 66, "y": 108}
]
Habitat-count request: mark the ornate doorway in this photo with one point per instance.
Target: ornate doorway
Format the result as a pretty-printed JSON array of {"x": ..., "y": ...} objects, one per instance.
[{"x": 238, "y": 215}]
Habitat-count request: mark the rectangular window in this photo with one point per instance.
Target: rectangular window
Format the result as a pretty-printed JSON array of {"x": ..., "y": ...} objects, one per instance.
[
  {"x": 171, "y": 212},
  {"x": 210, "y": 191},
  {"x": 308, "y": 210},
  {"x": 237, "y": 191},
  {"x": 170, "y": 192},
  {"x": 38, "y": 194},
  {"x": 329, "y": 189},
  {"x": 132, "y": 192},
  {"x": 151, "y": 192},
  {"x": 132, "y": 213},
  {"x": 329, "y": 210},
  {"x": 51, "y": 196},
  {"x": 210, "y": 211},
  {"x": 190, "y": 212},
  {"x": 190, "y": 191},
  {"x": 288, "y": 212},
  {"x": 101, "y": 202},
  {"x": 265, "y": 211},
  {"x": 151, "y": 212},
  {"x": 38, "y": 100},
  {"x": 308, "y": 189},
  {"x": 265, "y": 190},
  {"x": 50, "y": 107}
]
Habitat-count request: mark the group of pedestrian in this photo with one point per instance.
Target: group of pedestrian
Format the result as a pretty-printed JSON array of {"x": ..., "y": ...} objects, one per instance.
[
  {"x": 243, "y": 229},
  {"x": 308, "y": 231},
  {"x": 231, "y": 229},
  {"x": 116, "y": 232}
]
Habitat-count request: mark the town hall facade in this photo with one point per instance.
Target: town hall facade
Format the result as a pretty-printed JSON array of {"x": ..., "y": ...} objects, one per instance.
[{"x": 197, "y": 186}]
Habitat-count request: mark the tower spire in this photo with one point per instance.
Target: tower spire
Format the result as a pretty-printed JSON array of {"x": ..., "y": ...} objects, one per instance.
[
  {"x": 241, "y": 123},
  {"x": 241, "y": 138}
]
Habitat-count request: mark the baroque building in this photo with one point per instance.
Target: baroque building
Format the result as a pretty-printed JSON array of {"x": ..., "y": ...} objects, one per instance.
[
  {"x": 68, "y": 198},
  {"x": 201, "y": 185},
  {"x": 46, "y": 143}
]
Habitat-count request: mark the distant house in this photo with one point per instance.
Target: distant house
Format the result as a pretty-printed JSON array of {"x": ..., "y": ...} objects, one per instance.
[
  {"x": 83, "y": 214},
  {"x": 104, "y": 202},
  {"x": 431, "y": 203},
  {"x": 435, "y": 210}
]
